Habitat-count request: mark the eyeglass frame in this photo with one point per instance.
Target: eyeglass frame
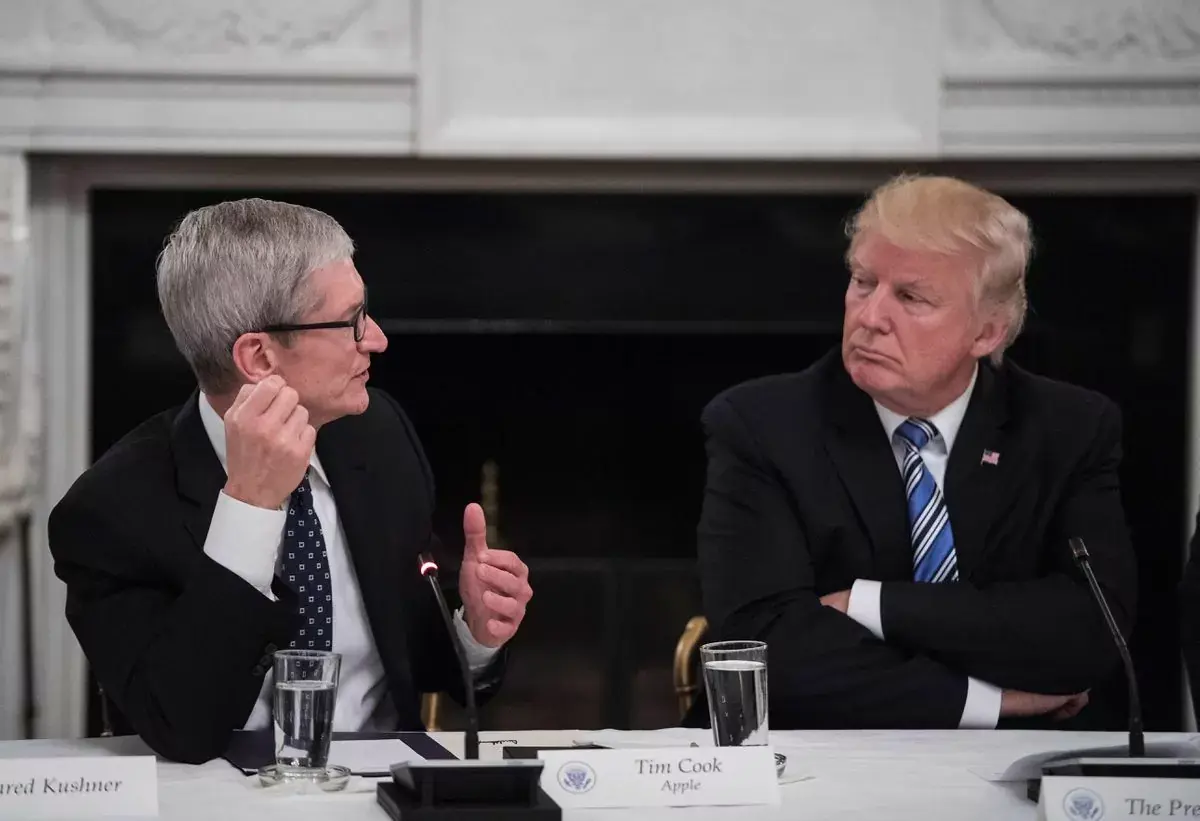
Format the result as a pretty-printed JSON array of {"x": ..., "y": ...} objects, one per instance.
[{"x": 351, "y": 323}]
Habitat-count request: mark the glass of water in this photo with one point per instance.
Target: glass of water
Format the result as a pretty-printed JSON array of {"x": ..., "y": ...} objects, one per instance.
[
  {"x": 305, "y": 692},
  {"x": 735, "y": 680}
]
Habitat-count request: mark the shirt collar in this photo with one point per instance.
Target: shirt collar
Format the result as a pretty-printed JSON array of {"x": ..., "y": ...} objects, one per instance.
[
  {"x": 947, "y": 421},
  {"x": 214, "y": 426}
]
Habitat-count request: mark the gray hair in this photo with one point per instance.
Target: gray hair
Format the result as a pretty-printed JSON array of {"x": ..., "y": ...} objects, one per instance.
[{"x": 237, "y": 267}]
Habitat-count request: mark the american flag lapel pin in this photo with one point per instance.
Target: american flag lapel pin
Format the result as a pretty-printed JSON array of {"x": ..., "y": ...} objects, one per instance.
[{"x": 990, "y": 457}]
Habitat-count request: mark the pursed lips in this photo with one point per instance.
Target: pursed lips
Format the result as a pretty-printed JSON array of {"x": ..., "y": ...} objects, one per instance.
[{"x": 874, "y": 356}]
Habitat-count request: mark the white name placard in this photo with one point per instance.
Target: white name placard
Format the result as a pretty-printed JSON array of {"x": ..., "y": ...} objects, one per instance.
[
  {"x": 1080, "y": 798},
  {"x": 661, "y": 777},
  {"x": 79, "y": 787}
]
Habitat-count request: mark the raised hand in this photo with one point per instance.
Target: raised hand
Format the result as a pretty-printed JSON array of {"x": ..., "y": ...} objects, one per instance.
[
  {"x": 268, "y": 443},
  {"x": 494, "y": 584}
]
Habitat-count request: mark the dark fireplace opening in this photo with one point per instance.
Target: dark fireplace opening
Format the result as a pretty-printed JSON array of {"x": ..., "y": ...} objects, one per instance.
[{"x": 565, "y": 344}]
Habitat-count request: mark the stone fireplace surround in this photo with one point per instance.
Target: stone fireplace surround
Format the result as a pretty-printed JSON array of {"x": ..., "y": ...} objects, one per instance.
[{"x": 689, "y": 95}]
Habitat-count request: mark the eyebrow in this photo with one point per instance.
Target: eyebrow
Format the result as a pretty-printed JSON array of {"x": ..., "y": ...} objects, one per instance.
[
  {"x": 356, "y": 307},
  {"x": 917, "y": 283}
]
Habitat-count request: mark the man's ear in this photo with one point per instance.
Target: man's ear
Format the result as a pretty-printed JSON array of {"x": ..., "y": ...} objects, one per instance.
[
  {"x": 991, "y": 334},
  {"x": 254, "y": 356}
]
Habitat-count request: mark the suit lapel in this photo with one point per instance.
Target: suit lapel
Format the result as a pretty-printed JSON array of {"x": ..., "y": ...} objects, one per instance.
[
  {"x": 199, "y": 476},
  {"x": 864, "y": 459},
  {"x": 973, "y": 483},
  {"x": 377, "y": 561}
]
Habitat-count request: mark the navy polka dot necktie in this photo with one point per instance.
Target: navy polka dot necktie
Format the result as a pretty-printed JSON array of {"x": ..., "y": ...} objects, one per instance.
[{"x": 304, "y": 567}]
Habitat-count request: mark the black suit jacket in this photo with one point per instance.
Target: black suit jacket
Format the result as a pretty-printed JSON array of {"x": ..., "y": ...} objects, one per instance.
[
  {"x": 180, "y": 643},
  {"x": 804, "y": 496},
  {"x": 1189, "y": 609}
]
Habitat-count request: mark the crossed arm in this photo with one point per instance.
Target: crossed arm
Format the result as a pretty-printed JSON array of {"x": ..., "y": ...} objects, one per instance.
[{"x": 1041, "y": 641}]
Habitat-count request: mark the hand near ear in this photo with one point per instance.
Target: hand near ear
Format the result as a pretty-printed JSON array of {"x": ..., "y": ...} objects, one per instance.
[{"x": 268, "y": 443}]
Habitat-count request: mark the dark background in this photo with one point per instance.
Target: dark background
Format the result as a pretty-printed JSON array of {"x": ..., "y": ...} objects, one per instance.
[{"x": 573, "y": 340}]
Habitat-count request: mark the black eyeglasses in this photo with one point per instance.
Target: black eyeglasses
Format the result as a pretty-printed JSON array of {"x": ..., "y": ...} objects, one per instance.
[{"x": 358, "y": 322}]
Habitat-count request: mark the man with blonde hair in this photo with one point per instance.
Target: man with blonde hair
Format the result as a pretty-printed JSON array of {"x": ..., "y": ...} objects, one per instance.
[{"x": 893, "y": 521}]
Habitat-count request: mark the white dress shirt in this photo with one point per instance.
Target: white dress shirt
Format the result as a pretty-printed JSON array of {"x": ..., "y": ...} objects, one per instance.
[
  {"x": 982, "y": 709},
  {"x": 247, "y": 539}
]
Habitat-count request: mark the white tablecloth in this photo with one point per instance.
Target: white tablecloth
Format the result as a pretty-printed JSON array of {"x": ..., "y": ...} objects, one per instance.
[{"x": 844, "y": 774}]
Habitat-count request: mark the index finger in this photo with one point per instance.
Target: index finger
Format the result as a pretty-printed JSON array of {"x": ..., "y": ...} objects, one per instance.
[
  {"x": 507, "y": 560},
  {"x": 263, "y": 394},
  {"x": 242, "y": 393}
]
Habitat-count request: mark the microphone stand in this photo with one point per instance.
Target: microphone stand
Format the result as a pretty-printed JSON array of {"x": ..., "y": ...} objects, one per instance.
[
  {"x": 1137, "y": 740},
  {"x": 467, "y": 789},
  {"x": 1130, "y": 762},
  {"x": 471, "y": 741}
]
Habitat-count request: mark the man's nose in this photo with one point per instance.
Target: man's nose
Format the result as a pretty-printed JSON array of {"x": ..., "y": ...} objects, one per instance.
[
  {"x": 374, "y": 340},
  {"x": 875, "y": 312}
]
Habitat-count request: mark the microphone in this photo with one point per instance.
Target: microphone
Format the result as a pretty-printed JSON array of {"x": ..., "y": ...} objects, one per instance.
[
  {"x": 429, "y": 570},
  {"x": 439, "y": 790},
  {"x": 1167, "y": 760},
  {"x": 1137, "y": 741}
]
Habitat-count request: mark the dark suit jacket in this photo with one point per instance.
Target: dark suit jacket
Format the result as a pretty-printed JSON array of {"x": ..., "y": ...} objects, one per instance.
[
  {"x": 804, "y": 496},
  {"x": 181, "y": 644},
  {"x": 1189, "y": 609}
]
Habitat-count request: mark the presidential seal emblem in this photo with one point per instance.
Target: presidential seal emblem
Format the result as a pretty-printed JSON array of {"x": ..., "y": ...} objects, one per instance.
[
  {"x": 576, "y": 777},
  {"x": 1083, "y": 805}
]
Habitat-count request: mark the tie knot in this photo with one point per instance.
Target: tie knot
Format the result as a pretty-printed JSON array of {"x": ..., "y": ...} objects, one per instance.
[{"x": 917, "y": 432}]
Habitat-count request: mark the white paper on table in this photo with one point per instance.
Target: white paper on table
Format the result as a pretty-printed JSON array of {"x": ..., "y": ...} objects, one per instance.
[
  {"x": 373, "y": 757},
  {"x": 648, "y": 739},
  {"x": 1030, "y": 766}
]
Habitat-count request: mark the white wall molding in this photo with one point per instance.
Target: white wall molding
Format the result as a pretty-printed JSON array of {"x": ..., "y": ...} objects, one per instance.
[
  {"x": 263, "y": 37},
  {"x": 60, "y": 231},
  {"x": 679, "y": 78},
  {"x": 687, "y": 79},
  {"x": 1072, "y": 78},
  {"x": 20, "y": 423},
  {"x": 272, "y": 76},
  {"x": 1097, "y": 31}
]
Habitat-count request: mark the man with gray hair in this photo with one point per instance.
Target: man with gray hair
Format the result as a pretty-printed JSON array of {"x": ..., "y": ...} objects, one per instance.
[
  {"x": 283, "y": 505},
  {"x": 893, "y": 520}
]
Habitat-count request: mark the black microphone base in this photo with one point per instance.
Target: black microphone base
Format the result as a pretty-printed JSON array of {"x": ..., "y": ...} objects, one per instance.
[
  {"x": 1103, "y": 767},
  {"x": 467, "y": 791},
  {"x": 403, "y": 807}
]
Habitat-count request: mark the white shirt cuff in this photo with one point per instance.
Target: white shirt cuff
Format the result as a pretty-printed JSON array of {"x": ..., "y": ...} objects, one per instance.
[
  {"x": 478, "y": 655},
  {"x": 864, "y": 607},
  {"x": 245, "y": 539},
  {"x": 982, "y": 710}
]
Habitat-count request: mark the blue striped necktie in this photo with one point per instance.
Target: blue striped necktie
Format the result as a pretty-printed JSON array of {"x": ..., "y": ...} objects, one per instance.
[{"x": 934, "y": 559}]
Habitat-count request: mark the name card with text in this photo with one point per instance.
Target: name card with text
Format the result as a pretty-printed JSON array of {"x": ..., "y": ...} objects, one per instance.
[
  {"x": 1082, "y": 798},
  {"x": 46, "y": 788},
  {"x": 662, "y": 777}
]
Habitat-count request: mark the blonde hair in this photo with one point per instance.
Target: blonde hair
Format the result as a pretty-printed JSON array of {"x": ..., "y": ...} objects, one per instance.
[{"x": 949, "y": 216}]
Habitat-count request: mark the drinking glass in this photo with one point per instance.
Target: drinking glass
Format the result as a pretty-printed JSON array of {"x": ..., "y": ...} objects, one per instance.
[
  {"x": 735, "y": 679},
  {"x": 306, "y": 684}
]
